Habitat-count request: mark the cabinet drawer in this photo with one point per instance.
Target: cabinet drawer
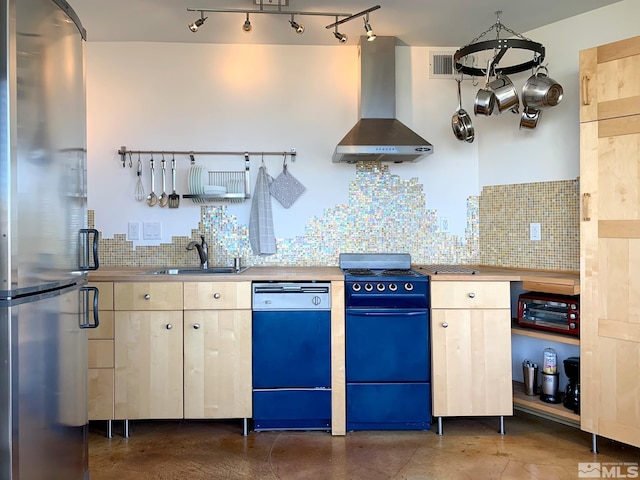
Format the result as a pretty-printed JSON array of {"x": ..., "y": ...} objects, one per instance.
[
  {"x": 470, "y": 295},
  {"x": 101, "y": 354},
  {"x": 100, "y": 394},
  {"x": 105, "y": 295},
  {"x": 217, "y": 295},
  {"x": 105, "y": 328},
  {"x": 148, "y": 296}
]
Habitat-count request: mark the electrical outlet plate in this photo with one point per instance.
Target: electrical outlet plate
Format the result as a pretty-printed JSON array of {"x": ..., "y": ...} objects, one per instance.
[
  {"x": 535, "y": 233},
  {"x": 444, "y": 224},
  {"x": 133, "y": 232}
]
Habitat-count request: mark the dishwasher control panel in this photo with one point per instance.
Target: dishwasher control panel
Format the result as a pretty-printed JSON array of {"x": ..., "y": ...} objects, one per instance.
[{"x": 291, "y": 296}]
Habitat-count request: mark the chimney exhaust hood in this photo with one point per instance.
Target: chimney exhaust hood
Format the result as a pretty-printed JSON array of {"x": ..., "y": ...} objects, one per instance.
[{"x": 378, "y": 135}]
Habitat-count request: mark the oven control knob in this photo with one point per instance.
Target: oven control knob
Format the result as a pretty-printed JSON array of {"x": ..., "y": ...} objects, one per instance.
[
  {"x": 368, "y": 287},
  {"x": 356, "y": 287},
  {"x": 408, "y": 287},
  {"x": 573, "y": 306},
  {"x": 393, "y": 287},
  {"x": 380, "y": 287},
  {"x": 572, "y": 316},
  {"x": 572, "y": 326}
]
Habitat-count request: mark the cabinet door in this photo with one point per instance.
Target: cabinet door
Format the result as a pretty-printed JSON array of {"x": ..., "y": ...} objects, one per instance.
[
  {"x": 609, "y": 284},
  {"x": 471, "y": 358},
  {"x": 148, "y": 364},
  {"x": 100, "y": 394},
  {"x": 608, "y": 80},
  {"x": 217, "y": 364}
]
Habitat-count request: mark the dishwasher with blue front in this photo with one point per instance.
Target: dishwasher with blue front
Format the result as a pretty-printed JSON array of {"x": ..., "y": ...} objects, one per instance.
[{"x": 291, "y": 356}]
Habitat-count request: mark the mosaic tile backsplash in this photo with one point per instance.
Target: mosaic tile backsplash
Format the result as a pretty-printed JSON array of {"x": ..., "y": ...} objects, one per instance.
[{"x": 386, "y": 213}]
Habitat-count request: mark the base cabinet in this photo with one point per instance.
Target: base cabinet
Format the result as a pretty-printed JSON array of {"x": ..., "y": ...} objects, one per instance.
[
  {"x": 471, "y": 348},
  {"x": 101, "y": 357},
  {"x": 169, "y": 350}
]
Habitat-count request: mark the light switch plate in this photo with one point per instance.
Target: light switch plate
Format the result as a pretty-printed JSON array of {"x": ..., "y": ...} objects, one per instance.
[{"x": 152, "y": 231}]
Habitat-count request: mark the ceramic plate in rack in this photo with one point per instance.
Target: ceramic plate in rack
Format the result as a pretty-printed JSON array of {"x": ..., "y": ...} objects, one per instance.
[{"x": 214, "y": 190}]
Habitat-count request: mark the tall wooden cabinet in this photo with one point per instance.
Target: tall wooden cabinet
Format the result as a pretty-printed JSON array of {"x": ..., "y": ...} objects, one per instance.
[{"x": 610, "y": 240}]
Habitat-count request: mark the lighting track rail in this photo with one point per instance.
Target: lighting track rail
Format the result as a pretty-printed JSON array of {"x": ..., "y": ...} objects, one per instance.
[{"x": 340, "y": 18}]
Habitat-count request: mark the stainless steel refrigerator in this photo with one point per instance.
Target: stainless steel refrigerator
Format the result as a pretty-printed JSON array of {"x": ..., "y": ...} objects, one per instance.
[{"x": 46, "y": 248}]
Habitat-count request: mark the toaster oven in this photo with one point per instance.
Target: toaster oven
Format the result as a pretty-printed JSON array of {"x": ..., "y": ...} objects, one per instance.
[{"x": 546, "y": 311}]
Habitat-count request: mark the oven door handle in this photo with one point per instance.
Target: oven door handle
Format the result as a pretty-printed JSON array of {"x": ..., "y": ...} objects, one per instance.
[{"x": 386, "y": 313}]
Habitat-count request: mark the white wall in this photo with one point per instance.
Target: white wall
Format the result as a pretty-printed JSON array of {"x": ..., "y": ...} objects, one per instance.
[{"x": 240, "y": 97}]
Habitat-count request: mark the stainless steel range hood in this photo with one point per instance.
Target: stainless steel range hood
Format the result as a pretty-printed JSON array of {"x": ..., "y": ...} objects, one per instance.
[{"x": 378, "y": 135}]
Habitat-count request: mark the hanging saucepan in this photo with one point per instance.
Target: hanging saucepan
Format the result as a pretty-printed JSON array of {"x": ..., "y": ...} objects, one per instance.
[
  {"x": 541, "y": 91},
  {"x": 505, "y": 93},
  {"x": 461, "y": 122},
  {"x": 529, "y": 118},
  {"x": 485, "y": 98}
]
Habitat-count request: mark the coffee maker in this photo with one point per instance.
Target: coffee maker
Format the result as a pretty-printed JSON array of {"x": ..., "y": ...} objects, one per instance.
[{"x": 572, "y": 390}]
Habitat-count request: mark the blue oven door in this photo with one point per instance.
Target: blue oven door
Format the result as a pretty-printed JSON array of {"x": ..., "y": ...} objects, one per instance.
[{"x": 387, "y": 345}]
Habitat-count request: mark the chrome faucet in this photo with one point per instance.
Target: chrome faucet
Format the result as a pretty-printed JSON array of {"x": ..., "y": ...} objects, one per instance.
[{"x": 203, "y": 252}]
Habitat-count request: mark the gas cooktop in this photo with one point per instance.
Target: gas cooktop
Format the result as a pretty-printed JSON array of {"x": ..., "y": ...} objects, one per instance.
[
  {"x": 387, "y": 272},
  {"x": 391, "y": 266}
]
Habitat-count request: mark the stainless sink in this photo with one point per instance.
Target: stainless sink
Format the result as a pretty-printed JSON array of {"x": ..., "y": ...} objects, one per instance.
[{"x": 195, "y": 271}]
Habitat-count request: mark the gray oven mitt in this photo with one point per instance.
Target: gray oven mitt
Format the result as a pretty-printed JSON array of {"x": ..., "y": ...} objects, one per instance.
[{"x": 286, "y": 188}]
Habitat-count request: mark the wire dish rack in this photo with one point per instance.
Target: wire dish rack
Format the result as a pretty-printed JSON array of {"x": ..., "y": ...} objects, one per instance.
[{"x": 228, "y": 187}]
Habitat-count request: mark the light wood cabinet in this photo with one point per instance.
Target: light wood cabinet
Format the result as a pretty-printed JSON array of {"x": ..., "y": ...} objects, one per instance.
[
  {"x": 610, "y": 240},
  {"x": 217, "y": 350},
  {"x": 471, "y": 348},
  {"x": 101, "y": 357},
  {"x": 148, "y": 350}
]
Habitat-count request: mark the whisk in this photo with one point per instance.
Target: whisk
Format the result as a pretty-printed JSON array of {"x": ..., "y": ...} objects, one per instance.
[{"x": 139, "y": 192}]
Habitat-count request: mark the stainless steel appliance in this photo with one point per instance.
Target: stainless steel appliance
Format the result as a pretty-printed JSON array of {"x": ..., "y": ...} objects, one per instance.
[
  {"x": 388, "y": 360},
  {"x": 379, "y": 135},
  {"x": 291, "y": 338},
  {"x": 45, "y": 247},
  {"x": 554, "y": 313}
]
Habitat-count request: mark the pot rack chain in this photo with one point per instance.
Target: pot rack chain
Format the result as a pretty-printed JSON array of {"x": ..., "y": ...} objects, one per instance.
[
  {"x": 124, "y": 154},
  {"x": 498, "y": 25}
]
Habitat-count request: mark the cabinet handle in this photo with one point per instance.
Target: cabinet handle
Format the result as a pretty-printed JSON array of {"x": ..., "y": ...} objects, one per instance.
[
  {"x": 586, "y": 203},
  {"x": 472, "y": 295},
  {"x": 147, "y": 296},
  {"x": 585, "y": 91},
  {"x": 445, "y": 325},
  {"x": 169, "y": 326},
  {"x": 196, "y": 326},
  {"x": 216, "y": 295}
]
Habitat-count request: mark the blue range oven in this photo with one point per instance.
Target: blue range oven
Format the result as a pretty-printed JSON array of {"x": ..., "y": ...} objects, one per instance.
[{"x": 388, "y": 359}]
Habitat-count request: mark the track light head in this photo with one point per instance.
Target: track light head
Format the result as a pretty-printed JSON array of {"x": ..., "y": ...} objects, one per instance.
[
  {"x": 298, "y": 27},
  {"x": 246, "y": 26},
  {"x": 370, "y": 35},
  {"x": 342, "y": 38},
  {"x": 194, "y": 26}
]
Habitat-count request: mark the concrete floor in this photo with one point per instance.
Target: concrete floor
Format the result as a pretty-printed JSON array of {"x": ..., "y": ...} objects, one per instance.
[{"x": 470, "y": 448}]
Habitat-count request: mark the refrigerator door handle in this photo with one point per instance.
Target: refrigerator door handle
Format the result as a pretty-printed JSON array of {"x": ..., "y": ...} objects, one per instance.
[
  {"x": 87, "y": 322},
  {"x": 85, "y": 258}
]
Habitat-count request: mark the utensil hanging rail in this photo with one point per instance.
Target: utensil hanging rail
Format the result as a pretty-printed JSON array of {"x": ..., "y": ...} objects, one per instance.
[{"x": 123, "y": 152}]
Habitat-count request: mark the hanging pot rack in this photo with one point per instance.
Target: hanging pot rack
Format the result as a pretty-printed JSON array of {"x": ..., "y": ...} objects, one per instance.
[
  {"x": 124, "y": 154},
  {"x": 499, "y": 46}
]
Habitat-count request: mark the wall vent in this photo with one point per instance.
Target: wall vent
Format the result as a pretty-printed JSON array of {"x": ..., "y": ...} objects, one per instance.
[{"x": 441, "y": 64}]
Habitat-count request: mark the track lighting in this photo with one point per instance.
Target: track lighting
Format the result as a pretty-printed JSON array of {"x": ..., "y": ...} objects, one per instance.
[
  {"x": 342, "y": 38},
  {"x": 246, "y": 26},
  {"x": 370, "y": 35},
  {"x": 193, "y": 26},
  {"x": 299, "y": 28}
]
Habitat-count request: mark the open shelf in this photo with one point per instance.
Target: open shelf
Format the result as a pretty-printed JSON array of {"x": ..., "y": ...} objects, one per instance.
[
  {"x": 532, "y": 404},
  {"x": 553, "y": 337}
]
